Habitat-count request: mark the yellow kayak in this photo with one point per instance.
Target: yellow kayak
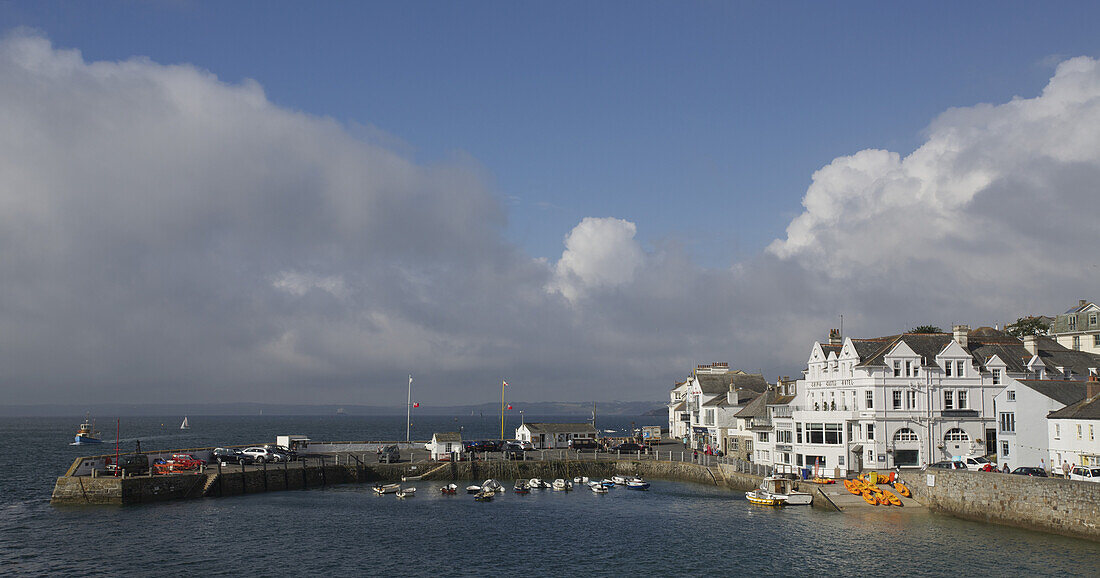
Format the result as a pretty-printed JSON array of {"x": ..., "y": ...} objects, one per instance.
[
  {"x": 869, "y": 497},
  {"x": 891, "y": 498},
  {"x": 902, "y": 489}
]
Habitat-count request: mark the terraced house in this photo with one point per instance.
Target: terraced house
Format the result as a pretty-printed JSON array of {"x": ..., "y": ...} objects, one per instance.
[
  {"x": 701, "y": 407},
  {"x": 1079, "y": 327},
  {"x": 905, "y": 400}
]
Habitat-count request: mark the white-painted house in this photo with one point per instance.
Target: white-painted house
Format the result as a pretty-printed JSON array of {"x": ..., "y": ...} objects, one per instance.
[
  {"x": 1074, "y": 431},
  {"x": 444, "y": 444},
  {"x": 548, "y": 436},
  {"x": 1022, "y": 408}
]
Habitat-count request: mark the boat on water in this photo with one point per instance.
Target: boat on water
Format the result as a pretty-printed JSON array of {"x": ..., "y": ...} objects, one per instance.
[
  {"x": 521, "y": 487},
  {"x": 449, "y": 489},
  {"x": 607, "y": 483},
  {"x": 185, "y": 425},
  {"x": 86, "y": 434},
  {"x": 580, "y": 480},
  {"x": 780, "y": 490},
  {"x": 386, "y": 488},
  {"x": 598, "y": 488},
  {"x": 483, "y": 496},
  {"x": 406, "y": 492},
  {"x": 492, "y": 485},
  {"x": 562, "y": 485},
  {"x": 637, "y": 484},
  {"x": 619, "y": 480},
  {"x": 473, "y": 489}
]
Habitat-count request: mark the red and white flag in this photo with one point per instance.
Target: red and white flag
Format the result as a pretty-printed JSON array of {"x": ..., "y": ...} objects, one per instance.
[
  {"x": 416, "y": 404},
  {"x": 509, "y": 407},
  {"x": 505, "y": 383}
]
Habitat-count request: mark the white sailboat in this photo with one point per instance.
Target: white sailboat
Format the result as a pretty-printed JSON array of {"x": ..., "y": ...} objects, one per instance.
[{"x": 185, "y": 425}]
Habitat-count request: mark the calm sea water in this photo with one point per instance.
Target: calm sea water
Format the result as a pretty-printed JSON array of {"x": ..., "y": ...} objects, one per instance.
[{"x": 674, "y": 528}]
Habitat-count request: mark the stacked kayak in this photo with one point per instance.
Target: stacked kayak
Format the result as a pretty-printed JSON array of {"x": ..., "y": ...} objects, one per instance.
[{"x": 867, "y": 487}]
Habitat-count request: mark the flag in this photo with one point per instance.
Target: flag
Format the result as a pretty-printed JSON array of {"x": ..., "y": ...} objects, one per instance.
[
  {"x": 509, "y": 407},
  {"x": 416, "y": 405},
  {"x": 505, "y": 383}
]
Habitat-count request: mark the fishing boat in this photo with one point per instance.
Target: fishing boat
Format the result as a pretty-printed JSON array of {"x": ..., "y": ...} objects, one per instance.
[
  {"x": 86, "y": 434},
  {"x": 473, "y": 489},
  {"x": 521, "y": 487},
  {"x": 781, "y": 489},
  {"x": 763, "y": 498},
  {"x": 483, "y": 496},
  {"x": 386, "y": 488},
  {"x": 406, "y": 492},
  {"x": 185, "y": 425},
  {"x": 449, "y": 489}
]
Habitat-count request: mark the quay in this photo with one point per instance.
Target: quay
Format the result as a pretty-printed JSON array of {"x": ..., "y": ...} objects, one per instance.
[{"x": 1053, "y": 505}]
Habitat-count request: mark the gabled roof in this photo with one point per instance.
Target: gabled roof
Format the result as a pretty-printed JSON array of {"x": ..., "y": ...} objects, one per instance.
[
  {"x": 535, "y": 427},
  {"x": 1060, "y": 390},
  {"x": 1081, "y": 306},
  {"x": 926, "y": 345},
  {"x": 680, "y": 406},
  {"x": 759, "y": 406},
  {"x": 447, "y": 436},
  {"x": 1084, "y": 409},
  {"x": 744, "y": 396},
  {"x": 782, "y": 400},
  {"x": 715, "y": 384}
]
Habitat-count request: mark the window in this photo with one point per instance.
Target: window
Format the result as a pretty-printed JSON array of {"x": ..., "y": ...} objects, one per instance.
[
  {"x": 783, "y": 436},
  {"x": 908, "y": 368},
  {"x": 870, "y": 432},
  {"x": 1090, "y": 432},
  {"x": 870, "y": 455},
  {"x": 815, "y": 433},
  {"x": 897, "y": 399},
  {"x": 961, "y": 396},
  {"x": 762, "y": 436},
  {"x": 832, "y": 434},
  {"x": 947, "y": 367},
  {"x": 733, "y": 443},
  {"x": 1058, "y": 433},
  {"x": 1004, "y": 449},
  {"x": 960, "y": 367},
  {"x": 948, "y": 399},
  {"x": 709, "y": 416},
  {"x": 897, "y": 368},
  {"x": 1078, "y": 431},
  {"x": 1008, "y": 422},
  {"x": 1072, "y": 322},
  {"x": 1096, "y": 340},
  {"x": 996, "y": 377},
  {"x": 870, "y": 400},
  {"x": 1011, "y": 395},
  {"x": 905, "y": 435},
  {"x": 1077, "y": 342},
  {"x": 1092, "y": 319},
  {"x": 911, "y": 400},
  {"x": 798, "y": 432},
  {"x": 956, "y": 435}
]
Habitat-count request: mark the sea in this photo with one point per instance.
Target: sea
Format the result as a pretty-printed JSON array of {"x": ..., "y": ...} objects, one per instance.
[{"x": 675, "y": 528}]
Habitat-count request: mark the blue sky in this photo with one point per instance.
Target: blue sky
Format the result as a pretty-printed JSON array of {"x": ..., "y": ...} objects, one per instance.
[
  {"x": 659, "y": 113},
  {"x": 582, "y": 198}
]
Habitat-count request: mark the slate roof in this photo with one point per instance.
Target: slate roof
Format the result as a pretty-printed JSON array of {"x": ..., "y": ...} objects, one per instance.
[
  {"x": 782, "y": 400},
  {"x": 1060, "y": 390},
  {"x": 759, "y": 406},
  {"x": 1084, "y": 409},
  {"x": 714, "y": 384},
  {"x": 753, "y": 381},
  {"x": 744, "y": 396},
  {"x": 682, "y": 406},
  {"x": 534, "y": 427},
  {"x": 448, "y": 436}
]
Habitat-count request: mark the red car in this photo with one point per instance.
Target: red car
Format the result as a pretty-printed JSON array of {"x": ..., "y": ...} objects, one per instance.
[{"x": 178, "y": 463}]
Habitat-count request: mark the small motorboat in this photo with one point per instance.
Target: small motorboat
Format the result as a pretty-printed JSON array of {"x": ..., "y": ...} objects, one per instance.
[
  {"x": 449, "y": 489},
  {"x": 763, "y": 498},
  {"x": 637, "y": 484},
  {"x": 534, "y": 484},
  {"x": 406, "y": 492},
  {"x": 619, "y": 480},
  {"x": 598, "y": 488},
  {"x": 473, "y": 489},
  {"x": 483, "y": 496},
  {"x": 580, "y": 480},
  {"x": 386, "y": 488},
  {"x": 783, "y": 489},
  {"x": 492, "y": 485},
  {"x": 607, "y": 483},
  {"x": 521, "y": 487},
  {"x": 561, "y": 485}
]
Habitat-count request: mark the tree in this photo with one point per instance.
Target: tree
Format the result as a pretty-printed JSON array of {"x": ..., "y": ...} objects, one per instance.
[
  {"x": 926, "y": 329},
  {"x": 1027, "y": 326}
]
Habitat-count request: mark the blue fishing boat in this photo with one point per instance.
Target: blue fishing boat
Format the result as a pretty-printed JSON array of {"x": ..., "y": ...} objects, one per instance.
[{"x": 86, "y": 434}]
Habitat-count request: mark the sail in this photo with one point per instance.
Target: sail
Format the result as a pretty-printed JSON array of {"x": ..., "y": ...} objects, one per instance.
[{"x": 185, "y": 425}]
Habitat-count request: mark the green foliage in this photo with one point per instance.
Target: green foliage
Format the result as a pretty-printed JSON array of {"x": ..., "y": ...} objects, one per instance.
[
  {"x": 926, "y": 329},
  {"x": 1027, "y": 326}
]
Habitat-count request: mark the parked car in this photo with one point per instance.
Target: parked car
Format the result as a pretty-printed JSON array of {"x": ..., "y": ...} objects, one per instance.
[
  {"x": 513, "y": 453},
  {"x": 1085, "y": 473},
  {"x": 630, "y": 447},
  {"x": 975, "y": 463},
  {"x": 389, "y": 454},
  {"x": 130, "y": 464},
  {"x": 583, "y": 445},
  {"x": 288, "y": 455},
  {"x": 948, "y": 465},
  {"x": 1030, "y": 471},
  {"x": 261, "y": 455},
  {"x": 226, "y": 456},
  {"x": 186, "y": 461}
]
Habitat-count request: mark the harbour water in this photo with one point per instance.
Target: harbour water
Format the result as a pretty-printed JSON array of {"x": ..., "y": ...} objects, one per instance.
[{"x": 674, "y": 528}]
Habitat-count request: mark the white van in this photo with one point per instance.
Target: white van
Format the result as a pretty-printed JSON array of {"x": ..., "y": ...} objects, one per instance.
[{"x": 973, "y": 463}]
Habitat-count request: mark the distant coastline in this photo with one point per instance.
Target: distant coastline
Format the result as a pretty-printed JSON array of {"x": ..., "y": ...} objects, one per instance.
[{"x": 544, "y": 408}]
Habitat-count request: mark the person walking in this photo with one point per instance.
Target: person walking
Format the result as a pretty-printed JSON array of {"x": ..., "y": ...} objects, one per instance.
[
  {"x": 1065, "y": 469},
  {"x": 1043, "y": 465}
]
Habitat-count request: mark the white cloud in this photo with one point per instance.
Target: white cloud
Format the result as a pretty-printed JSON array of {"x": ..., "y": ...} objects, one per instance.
[
  {"x": 600, "y": 253},
  {"x": 298, "y": 284}
]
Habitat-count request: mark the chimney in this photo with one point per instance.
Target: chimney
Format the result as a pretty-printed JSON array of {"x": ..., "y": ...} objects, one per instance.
[
  {"x": 1082, "y": 302},
  {"x": 961, "y": 332},
  {"x": 1092, "y": 387},
  {"x": 835, "y": 338},
  {"x": 731, "y": 397},
  {"x": 1031, "y": 344}
]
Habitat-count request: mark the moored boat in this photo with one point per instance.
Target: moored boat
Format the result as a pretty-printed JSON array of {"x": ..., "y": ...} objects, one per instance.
[
  {"x": 620, "y": 480},
  {"x": 637, "y": 484},
  {"x": 607, "y": 483},
  {"x": 472, "y": 489},
  {"x": 449, "y": 489},
  {"x": 386, "y": 488},
  {"x": 521, "y": 487},
  {"x": 483, "y": 496},
  {"x": 562, "y": 485},
  {"x": 492, "y": 485},
  {"x": 763, "y": 498},
  {"x": 598, "y": 488},
  {"x": 406, "y": 492},
  {"x": 783, "y": 489}
]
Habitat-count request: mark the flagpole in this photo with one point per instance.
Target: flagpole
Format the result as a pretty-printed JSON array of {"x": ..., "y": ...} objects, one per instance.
[
  {"x": 502, "y": 382},
  {"x": 408, "y": 411}
]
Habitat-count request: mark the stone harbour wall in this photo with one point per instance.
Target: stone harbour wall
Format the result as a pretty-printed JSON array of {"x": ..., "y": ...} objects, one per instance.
[{"x": 1048, "y": 504}]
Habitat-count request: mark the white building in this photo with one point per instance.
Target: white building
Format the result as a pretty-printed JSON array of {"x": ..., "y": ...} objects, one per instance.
[
  {"x": 547, "y": 436},
  {"x": 1074, "y": 431},
  {"x": 700, "y": 409},
  {"x": 1079, "y": 327},
  {"x": 444, "y": 444},
  {"x": 1022, "y": 408},
  {"x": 903, "y": 400}
]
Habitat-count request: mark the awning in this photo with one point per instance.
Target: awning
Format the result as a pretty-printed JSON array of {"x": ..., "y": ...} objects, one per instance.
[{"x": 857, "y": 448}]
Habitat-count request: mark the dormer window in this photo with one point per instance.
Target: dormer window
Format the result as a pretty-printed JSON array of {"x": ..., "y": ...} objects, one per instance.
[
  {"x": 897, "y": 368},
  {"x": 996, "y": 376},
  {"x": 1072, "y": 322},
  {"x": 947, "y": 368}
]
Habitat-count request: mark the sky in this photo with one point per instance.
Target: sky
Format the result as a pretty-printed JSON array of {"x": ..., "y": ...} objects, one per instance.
[{"x": 272, "y": 201}]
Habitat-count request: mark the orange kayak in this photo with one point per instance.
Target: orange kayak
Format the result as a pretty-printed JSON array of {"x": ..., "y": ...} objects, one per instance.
[
  {"x": 900, "y": 487},
  {"x": 853, "y": 487},
  {"x": 891, "y": 498},
  {"x": 869, "y": 498}
]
